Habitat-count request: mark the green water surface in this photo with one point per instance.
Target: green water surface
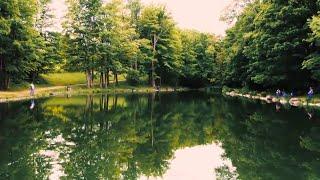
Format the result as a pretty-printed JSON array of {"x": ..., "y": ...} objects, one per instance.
[{"x": 137, "y": 135}]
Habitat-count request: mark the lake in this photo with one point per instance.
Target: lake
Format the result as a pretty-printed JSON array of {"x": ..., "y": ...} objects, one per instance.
[{"x": 185, "y": 135}]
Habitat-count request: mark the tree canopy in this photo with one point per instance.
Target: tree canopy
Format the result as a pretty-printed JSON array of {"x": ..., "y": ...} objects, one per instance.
[{"x": 270, "y": 44}]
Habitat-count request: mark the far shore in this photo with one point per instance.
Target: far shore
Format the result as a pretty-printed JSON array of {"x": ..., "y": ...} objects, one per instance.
[
  {"x": 298, "y": 101},
  {"x": 9, "y": 96}
]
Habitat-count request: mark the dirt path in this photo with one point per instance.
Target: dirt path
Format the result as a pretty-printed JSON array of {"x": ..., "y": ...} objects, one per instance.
[
  {"x": 7, "y": 96},
  {"x": 24, "y": 94}
]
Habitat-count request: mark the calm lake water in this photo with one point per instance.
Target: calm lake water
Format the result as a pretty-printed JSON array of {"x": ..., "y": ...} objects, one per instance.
[{"x": 190, "y": 135}]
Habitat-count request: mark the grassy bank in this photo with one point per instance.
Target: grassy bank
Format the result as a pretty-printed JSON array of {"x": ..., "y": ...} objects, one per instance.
[
  {"x": 64, "y": 79},
  {"x": 70, "y": 78},
  {"x": 78, "y": 90},
  {"x": 49, "y": 80},
  {"x": 56, "y": 84},
  {"x": 57, "y": 79}
]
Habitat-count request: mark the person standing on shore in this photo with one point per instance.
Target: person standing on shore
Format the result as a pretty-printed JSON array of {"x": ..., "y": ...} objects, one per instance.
[
  {"x": 310, "y": 93},
  {"x": 278, "y": 93},
  {"x": 32, "y": 89}
]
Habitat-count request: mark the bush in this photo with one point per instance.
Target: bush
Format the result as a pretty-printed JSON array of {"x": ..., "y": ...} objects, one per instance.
[
  {"x": 253, "y": 93},
  {"x": 263, "y": 94},
  {"x": 133, "y": 78},
  {"x": 245, "y": 90},
  {"x": 226, "y": 89}
]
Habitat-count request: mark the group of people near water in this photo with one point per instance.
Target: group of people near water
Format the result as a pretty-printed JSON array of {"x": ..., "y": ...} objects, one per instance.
[
  {"x": 310, "y": 94},
  {"x": 280, "y": 93},
  {"x": 32, "y": 93}
]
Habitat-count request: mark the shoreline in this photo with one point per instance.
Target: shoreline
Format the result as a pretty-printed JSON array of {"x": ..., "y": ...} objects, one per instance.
[
  {"x": 62, "y": 90},
  {"x": 292, "y": 101}
]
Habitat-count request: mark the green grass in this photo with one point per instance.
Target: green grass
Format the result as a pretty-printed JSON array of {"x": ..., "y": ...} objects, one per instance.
[
  {"x": 19, "y": 87},
  {"x": 72, "y": 78},
  {"x": 53, "y": 79},
  {"x": 55, "y": 82},
  {"x": 60, "y": 79},
  {"x": 63, "y": 79}
]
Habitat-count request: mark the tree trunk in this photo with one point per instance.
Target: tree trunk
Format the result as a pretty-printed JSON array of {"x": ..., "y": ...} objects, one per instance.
[
  {"x": 153, "y": 84},
  {"x": 154, "y": 44},
  {"x": 35, "y": 76},
  {"x": 105, "y": 80},
  {"x": 4, "y": 76},
  {"x": 89, "y": 78},
  {"x": 116, "y": 78},
  {"x": 4, "y": 80},
  {"x": 108, "y": 78},
  {"x": 92, "y": 77},
  {"x": 136, "y": 65},
  {"x": 102, "y": 80}
]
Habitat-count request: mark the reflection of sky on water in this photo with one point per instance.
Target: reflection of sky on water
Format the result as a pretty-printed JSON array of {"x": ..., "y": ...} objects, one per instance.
[
  {"x": 58, "y": 144},
  {"x": 199, "y": 162}
]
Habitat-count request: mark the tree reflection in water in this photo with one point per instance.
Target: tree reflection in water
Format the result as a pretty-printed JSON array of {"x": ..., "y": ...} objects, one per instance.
[{"x": 137, "y": 135}]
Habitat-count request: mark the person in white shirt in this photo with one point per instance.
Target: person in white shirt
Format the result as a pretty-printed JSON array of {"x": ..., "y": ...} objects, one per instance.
[{"x": 32, "y": 89}]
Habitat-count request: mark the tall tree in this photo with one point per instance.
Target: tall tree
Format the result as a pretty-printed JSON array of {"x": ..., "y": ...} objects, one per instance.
[
  {"x": 267, "y": 45},
  {"x": 199, "y": 58},
  {"x": 135, "y": 8},
  {"x": 234, "y": 10},
  {"x": 280, "y": 29},
  {"x": 157, "y": 26},
  {"x": 44, "y": 18},
  {"x": 17, "y": 37},
  {"x": 312, "y": 61},
  {"x": 119, "y": 47},
  {"x": 83, "y": 26}
]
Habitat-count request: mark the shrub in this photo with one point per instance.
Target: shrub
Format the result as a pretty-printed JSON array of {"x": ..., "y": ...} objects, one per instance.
[
  {"x": 263, "y": 93},
  {"x": 133, "y": 78},
  {"x": 245, "y": 90},
  {"x": 226, "y": 89}
]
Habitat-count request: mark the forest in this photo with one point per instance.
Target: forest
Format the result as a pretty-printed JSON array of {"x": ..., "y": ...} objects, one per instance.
[{"x": 270, "y": 44}]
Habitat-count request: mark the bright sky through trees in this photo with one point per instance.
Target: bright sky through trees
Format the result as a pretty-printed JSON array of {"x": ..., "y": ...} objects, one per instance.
[{"x": 202, "y": 15}]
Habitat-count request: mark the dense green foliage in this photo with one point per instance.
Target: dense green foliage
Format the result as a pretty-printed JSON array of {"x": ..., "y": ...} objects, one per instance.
[
  {"x": 200, "y": 59},
  {"x": 272, "y": 44},
  {"x": 103, "y": 39},
  {"x": 313, "y": 60},
  {"x": 137, "y": 41},
  {"x": 19, "y": 40},
  {"x": 269, "y": 43}
]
